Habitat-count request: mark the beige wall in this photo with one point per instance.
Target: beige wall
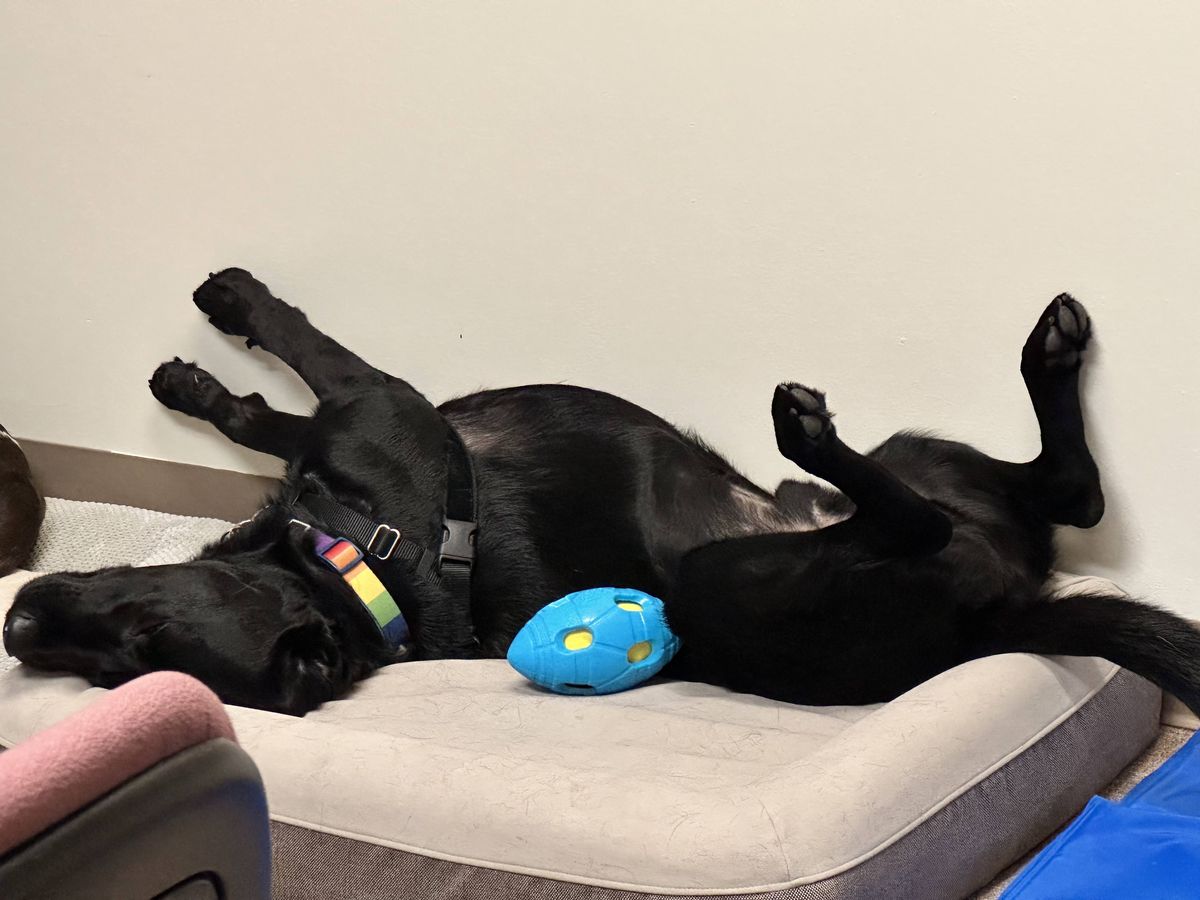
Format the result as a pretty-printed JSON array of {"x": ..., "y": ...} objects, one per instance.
[{"x": 681, "y": 202}]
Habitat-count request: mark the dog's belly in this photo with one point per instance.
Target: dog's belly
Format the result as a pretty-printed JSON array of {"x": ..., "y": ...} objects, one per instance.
[
  {"x": 750, "y": 512},
  {"x": 694, "y": 507},
  {"x": 599, "y": 488}
]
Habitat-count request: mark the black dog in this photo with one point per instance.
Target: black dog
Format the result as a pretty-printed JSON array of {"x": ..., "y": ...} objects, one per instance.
[{"x": 937, "y": 553}]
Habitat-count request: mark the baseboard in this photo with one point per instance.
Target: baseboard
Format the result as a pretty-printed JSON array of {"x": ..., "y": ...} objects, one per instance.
[
  {"x": 80, "y": 473},
  {"x": 1177, "y": 715}
]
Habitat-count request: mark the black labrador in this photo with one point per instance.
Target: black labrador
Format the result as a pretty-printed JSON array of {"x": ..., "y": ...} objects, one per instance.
[{"x": 928, "y": 554}]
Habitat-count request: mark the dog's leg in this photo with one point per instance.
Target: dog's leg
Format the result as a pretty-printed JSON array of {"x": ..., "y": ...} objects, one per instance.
[
  {"x": 237, "y": 303},
  {"x": 1065, "y": 483},
  {"x": 248, "y": 420},
  {"x": 770, "y": 581},
  {"x": 782, "y": 615},
  {"x": 897, "y": 520}
]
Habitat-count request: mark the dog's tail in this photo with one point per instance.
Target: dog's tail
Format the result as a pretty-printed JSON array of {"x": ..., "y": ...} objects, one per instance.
[{"x": 1152, "y": 642}]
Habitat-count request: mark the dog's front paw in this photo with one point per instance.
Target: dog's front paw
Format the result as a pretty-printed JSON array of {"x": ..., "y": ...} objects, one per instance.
[
  {"x": 228, "y": 298},
  {"x": 186, "y": 387},
  {"x": 802, "y": 421}
]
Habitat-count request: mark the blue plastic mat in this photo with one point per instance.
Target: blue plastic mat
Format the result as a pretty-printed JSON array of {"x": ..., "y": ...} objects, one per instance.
[
  {"x": 1173, "y": 786},
  {"x": 1146, "y": 847}
]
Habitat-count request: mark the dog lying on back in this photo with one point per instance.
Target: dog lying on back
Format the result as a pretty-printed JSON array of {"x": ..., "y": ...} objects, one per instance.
[
  {"x": 928, "y": 554},
  {"x": 21, "y": 506}
]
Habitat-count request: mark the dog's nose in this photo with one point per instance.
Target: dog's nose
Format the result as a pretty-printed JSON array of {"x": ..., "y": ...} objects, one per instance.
[{"x": 20, "y": 634}]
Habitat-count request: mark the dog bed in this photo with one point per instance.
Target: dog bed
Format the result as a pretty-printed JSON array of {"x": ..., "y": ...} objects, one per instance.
[{"x": 459, "y": 779}]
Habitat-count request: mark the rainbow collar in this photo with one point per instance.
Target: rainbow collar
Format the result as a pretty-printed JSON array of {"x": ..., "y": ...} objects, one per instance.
[{"x": 347, "y": 560}]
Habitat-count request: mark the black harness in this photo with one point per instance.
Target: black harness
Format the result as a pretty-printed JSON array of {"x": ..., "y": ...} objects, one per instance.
[{"x": 447, "y": 565}]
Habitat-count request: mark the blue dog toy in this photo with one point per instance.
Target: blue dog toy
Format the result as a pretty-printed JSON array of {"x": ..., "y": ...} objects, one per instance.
[{"x": 594, "y": 642}]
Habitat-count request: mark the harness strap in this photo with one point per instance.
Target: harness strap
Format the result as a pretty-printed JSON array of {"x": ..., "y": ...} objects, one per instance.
[
  {"x": 456, "y": 556},
  {"x": 450, "y": 566},
  {"x": 376, "y": 539}
]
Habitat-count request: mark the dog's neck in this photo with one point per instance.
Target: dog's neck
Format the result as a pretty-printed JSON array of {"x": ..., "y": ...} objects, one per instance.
[{"x": 348, "y": 561}]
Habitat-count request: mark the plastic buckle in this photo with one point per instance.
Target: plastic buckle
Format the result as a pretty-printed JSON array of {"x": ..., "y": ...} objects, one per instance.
[
  {"x": 458, "y": 542},
  {"x": 386, "y": 531}
]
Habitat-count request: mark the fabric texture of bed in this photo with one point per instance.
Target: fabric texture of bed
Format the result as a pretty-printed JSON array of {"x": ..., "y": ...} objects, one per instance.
[{"x": 460, "y": 779}]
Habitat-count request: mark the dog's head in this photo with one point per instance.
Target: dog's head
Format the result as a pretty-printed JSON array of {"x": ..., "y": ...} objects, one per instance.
[{"x": 254, "y": 618}]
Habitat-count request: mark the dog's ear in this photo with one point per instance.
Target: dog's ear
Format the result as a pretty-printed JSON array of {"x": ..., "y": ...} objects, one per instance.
[{"x": 307, "y": 667}]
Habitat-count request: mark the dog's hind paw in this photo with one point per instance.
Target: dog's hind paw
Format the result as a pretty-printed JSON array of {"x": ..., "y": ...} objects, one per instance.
[
  {"x": 1061, "y": 335},
  {"x": 801, "y": 418}
]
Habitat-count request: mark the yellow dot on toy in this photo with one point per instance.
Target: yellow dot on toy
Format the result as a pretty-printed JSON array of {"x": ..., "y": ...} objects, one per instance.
[
  {"x": 630, "y": 605},
  {"x": 639, "y": 651},
  {"x": 579, "y": 639}
]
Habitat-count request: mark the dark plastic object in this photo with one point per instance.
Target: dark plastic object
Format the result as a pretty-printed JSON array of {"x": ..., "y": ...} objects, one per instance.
[{"x": 192, "y": 827}]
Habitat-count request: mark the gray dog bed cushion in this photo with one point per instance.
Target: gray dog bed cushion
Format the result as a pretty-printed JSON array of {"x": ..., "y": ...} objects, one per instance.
[{"x": 459, "y": 779}]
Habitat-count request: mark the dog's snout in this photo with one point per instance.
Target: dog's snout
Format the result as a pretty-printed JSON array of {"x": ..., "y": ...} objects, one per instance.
[
  {"x": 36, "y": 616},
  {"x": 21, "y": 634},
  {"x": 50, "y": 592}
]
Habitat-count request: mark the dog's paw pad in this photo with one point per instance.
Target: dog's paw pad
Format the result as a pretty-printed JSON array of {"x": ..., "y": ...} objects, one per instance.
[
  {"x": 227, "y": 298},
  {"x": 184, "y": 386},
  {"x": 806, "y": 399},
  {"x": 800, "y": 412},
  {"x": 1061, "y": 335},
  {"x": 1073, "y": 319},
  {"x": 813, "y": 425}
]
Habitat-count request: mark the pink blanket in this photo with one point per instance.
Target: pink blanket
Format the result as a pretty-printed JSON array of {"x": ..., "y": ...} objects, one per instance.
[{"x": 72, "y": 763}]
